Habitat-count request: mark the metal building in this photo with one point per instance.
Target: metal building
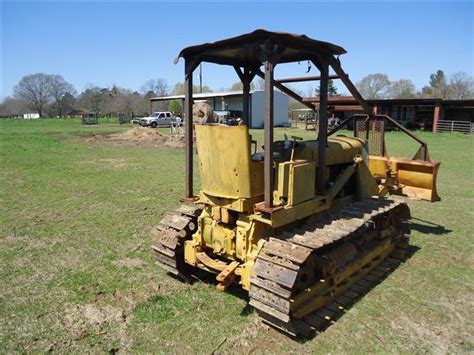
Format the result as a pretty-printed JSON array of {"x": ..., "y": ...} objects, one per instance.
[{"x": 233, "y": 101}]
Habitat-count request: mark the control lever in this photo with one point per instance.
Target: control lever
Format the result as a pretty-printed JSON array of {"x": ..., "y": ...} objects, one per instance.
[{"x": 295, "y": 138}]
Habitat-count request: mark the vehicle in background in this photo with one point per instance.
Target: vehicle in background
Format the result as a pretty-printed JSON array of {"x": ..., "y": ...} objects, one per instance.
[
  {"x": 229, "y": 117},
  {"x": 157, "y": 119}
]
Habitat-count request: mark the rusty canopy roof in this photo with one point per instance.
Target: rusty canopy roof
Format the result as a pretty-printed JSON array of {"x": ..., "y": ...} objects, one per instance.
[{"x": 244, "y": 50}]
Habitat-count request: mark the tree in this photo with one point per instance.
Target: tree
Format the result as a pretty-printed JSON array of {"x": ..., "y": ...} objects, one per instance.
[
  {"x": 119, "y": 101},
  {"x": 90, "y": 99},
  {"x": 140, "y": 104},
  {"x": 438, "y": 86},
  {"x": 205, "y": 88},
  {"x": 107, "y": 101},
  {"x": 62, "y": 93},
  {"x": 122, "y": 103},
  {"x": 461, "y": 86},
  {"x": 35, "y": 89},
  {"x": 374, "y": 86},
  {"x": 179, "y": 89},
  {"x": 68, "y": 103},
  {"x": 438, "y": 80},
  {"x": 332, "y": 90},
  {"x": 238, "y": 86},
  {"x": 13, "y": 106},
  {"x": 175, "y": 106},
  {"x": 402, "y": 89},
  {"x": 155, "y": 87}
]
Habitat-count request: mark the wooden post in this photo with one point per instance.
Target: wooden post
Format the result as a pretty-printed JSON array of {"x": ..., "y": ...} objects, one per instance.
[
  {"x": 268, "y": 133},
  {"x": 436, "y": 115},
  {"x": 323, "y": 126}
]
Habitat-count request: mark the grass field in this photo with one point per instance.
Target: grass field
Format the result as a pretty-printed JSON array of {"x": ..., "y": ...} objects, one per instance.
[{"x": 77, "y": 273}]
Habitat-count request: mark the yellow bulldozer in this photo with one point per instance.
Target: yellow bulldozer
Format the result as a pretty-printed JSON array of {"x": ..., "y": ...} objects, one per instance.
[{"x": 301, "y": 223}]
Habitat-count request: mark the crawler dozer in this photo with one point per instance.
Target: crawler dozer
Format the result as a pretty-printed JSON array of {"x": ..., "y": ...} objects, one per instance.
[{"x": 300, "y": 223}]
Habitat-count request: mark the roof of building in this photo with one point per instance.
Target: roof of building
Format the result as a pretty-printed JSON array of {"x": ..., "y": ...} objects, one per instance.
[
  {"x": 204, "y": 95},
  {"x": 244, "y": 50},
  {"x": 349, "y": 100}
]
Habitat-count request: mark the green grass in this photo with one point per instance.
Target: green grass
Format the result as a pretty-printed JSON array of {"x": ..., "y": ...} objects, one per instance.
[{"x": 71, "y": 211}]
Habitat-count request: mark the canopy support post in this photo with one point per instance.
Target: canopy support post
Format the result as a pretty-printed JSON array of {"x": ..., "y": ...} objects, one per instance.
[
  {"x": 189, "y": 66},
  {"x": 323, "y": 66},
  {"x": 246, "y": 78},
  {"x": 268, "y": 134}
]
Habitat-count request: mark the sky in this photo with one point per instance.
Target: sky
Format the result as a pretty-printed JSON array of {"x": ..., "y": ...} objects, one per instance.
[{"x": 127, "y": 43}]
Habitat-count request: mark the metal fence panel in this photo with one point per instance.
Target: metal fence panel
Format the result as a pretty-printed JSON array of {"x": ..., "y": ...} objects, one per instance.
[{"x": 455, "y": 126}]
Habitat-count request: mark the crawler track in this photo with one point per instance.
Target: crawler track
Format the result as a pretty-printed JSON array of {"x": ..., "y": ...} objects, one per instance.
[
  {"x": 304, "y": 277},
  {"x": 169, "y": 237}
]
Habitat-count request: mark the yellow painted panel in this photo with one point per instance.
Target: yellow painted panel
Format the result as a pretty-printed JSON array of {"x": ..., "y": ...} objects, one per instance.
[
  {"x": 302, "y": 182},
  {"x": 282, "y": 181},
  {"x": 378, "y": 165},
  {"x": 366, "y": 183},
  {"x": 225, "y": 162}
]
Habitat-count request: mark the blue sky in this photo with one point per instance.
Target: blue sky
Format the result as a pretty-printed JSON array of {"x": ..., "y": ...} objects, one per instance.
[{"x": 127, "y": 43}]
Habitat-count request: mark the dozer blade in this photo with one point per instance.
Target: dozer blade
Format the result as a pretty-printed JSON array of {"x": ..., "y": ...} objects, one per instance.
[
  {"x": 417, "y": 178},
  {"x": 407, "y": 177}
]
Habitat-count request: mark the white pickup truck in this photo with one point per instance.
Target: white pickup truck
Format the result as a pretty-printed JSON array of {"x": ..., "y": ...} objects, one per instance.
[{"x": 159, "y": 118}]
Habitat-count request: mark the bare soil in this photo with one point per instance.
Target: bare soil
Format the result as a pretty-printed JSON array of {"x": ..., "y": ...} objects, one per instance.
[
  {"x": 129, "y": 262},
  {"x": 99, "y": 320},
  {"x": 136, "y": 137}
]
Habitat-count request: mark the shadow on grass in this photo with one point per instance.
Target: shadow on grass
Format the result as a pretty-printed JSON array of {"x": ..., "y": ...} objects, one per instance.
[
  {"x": 317, "y": 322},
  {"x": 427, "y": 227},
  {"x": 198, "y": 275}
]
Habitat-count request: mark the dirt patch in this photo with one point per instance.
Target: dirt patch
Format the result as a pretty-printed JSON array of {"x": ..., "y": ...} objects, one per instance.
[
  {"x": 79, "y": 318},
  {"x": 136, "y": 137},
  {"x": 100, "y": 320},
  {"x": 129, "y": 262},
  {"x": 438, "y": 338},
  {"x": 95, "y": 315},
  {"x": 114, "y": 162},
  {"x": 248, "y": 339},
  {"x": 9, "y": 240}
]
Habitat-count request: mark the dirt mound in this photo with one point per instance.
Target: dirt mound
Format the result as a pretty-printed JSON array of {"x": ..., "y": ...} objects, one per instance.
[
  {"x": 138, "y": 137},
  {"x": 139, "y": 133},
  {"x": 143, "y": 135}
]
